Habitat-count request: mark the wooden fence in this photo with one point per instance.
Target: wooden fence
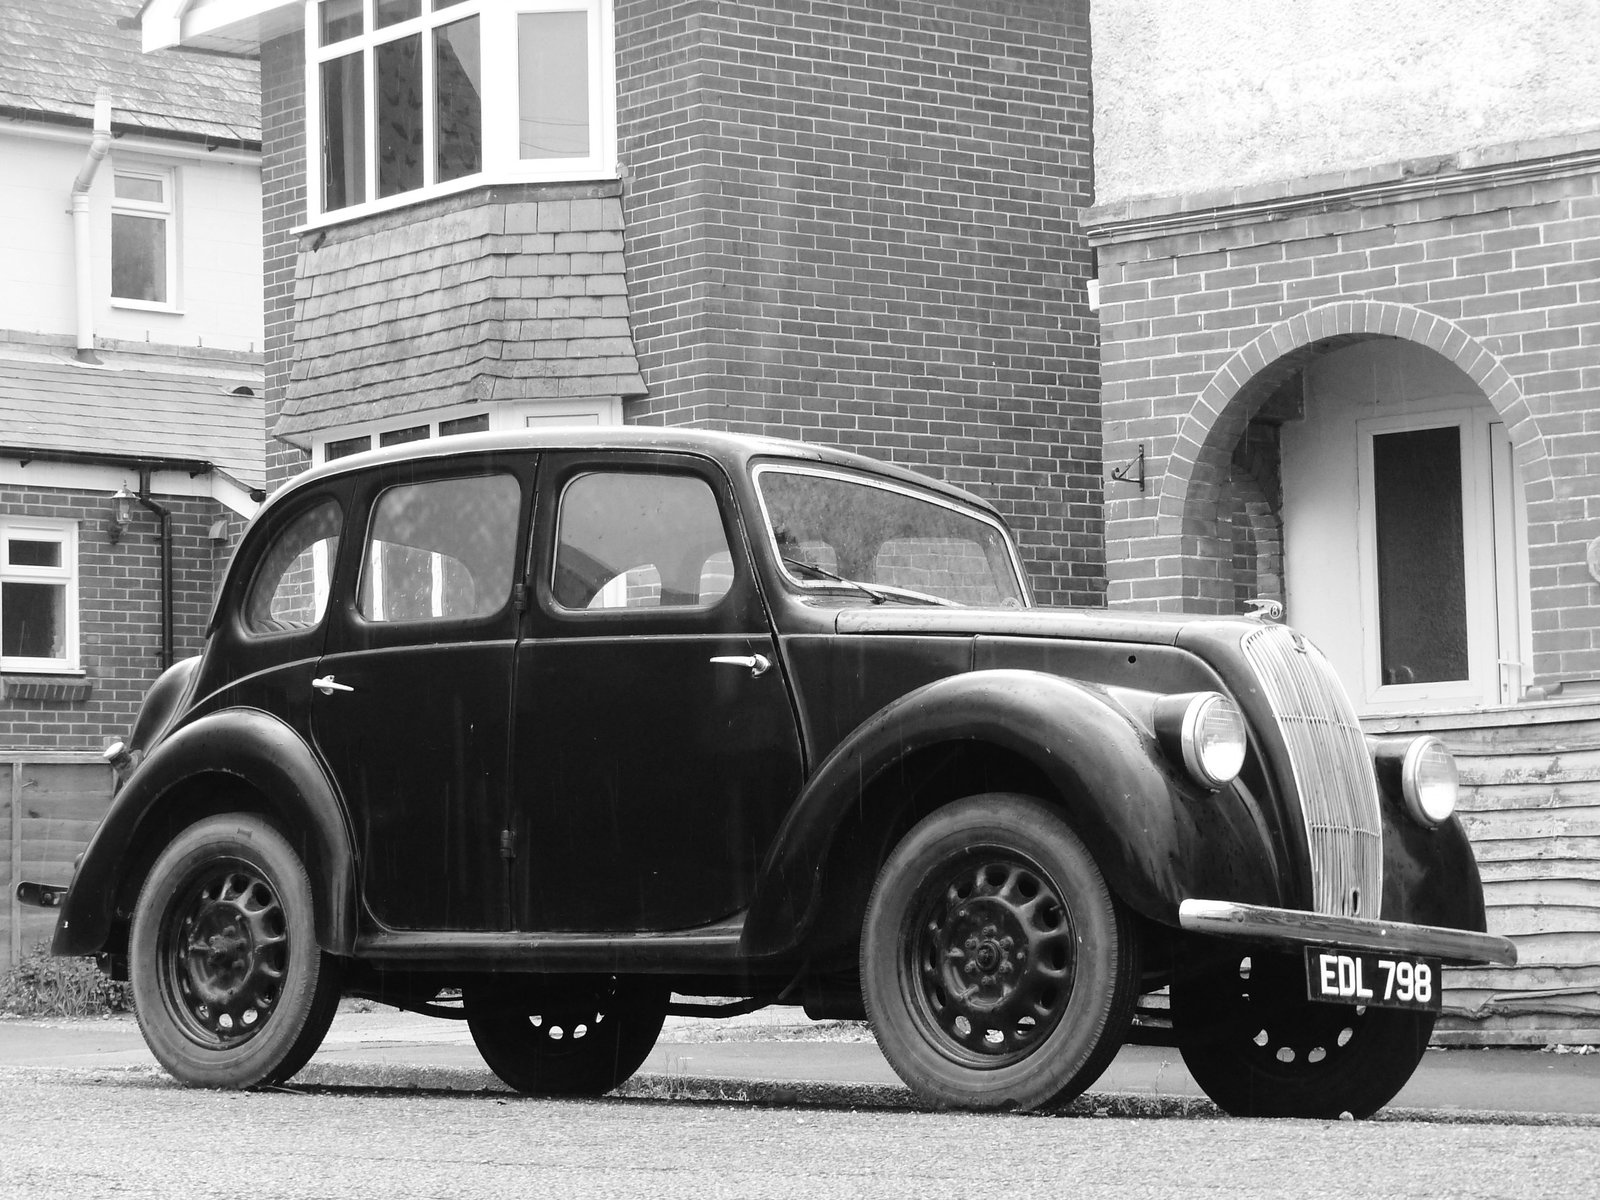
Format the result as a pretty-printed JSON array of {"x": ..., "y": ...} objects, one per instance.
[
  {"x": 49, "y": 805},
  {"x": 1531, "y": 805}
]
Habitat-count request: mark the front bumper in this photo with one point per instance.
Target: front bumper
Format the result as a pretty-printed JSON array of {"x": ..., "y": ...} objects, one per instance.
[{"x": 1291, "y": 927}]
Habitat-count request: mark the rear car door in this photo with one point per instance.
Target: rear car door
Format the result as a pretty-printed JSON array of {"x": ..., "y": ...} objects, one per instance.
[
  {"x": 412, "y": 695},
  {"x": 656, "y": 749}
]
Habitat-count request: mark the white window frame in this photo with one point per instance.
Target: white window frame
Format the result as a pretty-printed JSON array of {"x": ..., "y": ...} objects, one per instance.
[
  {"x": 1486, "y": 579},
  {"x": 503, "y": 417},
  {"x": 64, "y": 533},
  {"x": 502, "y": 162},
  {"x": 166, "y": 212}
]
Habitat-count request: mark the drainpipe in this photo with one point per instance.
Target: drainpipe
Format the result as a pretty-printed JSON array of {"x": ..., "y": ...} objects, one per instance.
[
  {"x": 82, "y": 248},
  {"x": 165, "y": 515}
]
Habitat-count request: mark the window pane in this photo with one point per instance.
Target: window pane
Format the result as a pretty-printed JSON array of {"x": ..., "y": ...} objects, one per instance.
[
  {"x": 345, "y": 447},
  {"x": 33, "y": 554},
  {"x": 1422, "y": 602},
  {"x": 33, "y": 620},
  {"x": 477, "y": 424},
  {"x": 143, "y": 188},
  {"x": 441, "y": 550},
  {"x": 399, "y": 115},
  {"x": 338, "y": 19},
  {"x": 390, "y": 12},
  {"x": 396, "y": 437},
  {"x": 458, "y": 86},
  {"x": 635, "y": 541},
  {"x": 344, "y": 155},
  {"x": 553, "y": 79},
  {"x": 290, "y": 588},
  {"x": 139, "y": 258}
]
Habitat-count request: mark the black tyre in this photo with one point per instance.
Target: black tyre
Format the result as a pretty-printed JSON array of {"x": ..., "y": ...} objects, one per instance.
[
  {"x": 229, "y": 985},
  {"x": 566, "y": 1035},
  {"x": 1260, "y": 1048},
  {"x": 997, "y": 968}
]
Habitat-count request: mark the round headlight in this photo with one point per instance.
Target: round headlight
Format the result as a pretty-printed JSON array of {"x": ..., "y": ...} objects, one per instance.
[
  {"x": 1429, "y": 782},
  {"x": 1211, "y": 737}
]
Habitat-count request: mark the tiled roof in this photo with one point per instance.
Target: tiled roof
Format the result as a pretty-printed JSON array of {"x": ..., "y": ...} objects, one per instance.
[
  {"x": 134, "y": 407},
  {"x": 56, "y": 54}
]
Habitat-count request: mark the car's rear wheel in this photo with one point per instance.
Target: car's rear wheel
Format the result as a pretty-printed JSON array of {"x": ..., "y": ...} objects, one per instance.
[
  {"x": 1259, "y": 1047},
  {"x": 229, "y": 984},
  {"x": 997, "y": 968},
  {"x": 566, "y": 1035}
]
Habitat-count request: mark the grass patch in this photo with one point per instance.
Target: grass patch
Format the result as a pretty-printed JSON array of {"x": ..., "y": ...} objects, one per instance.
[{"x": 42, "y": 985}]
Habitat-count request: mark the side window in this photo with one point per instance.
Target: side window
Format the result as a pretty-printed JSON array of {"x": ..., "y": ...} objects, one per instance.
[
  {"x": 637, "y": 540},
  {"x": 442, "y": 550},
  {"x": 290, "y": 588}
]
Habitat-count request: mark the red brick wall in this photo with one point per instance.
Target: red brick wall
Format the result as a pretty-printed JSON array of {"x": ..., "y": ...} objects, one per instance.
[
  {"x": 283, "y": 208},
  {"x": 857, "y": 224},
  {"x": 119, "y": 611},
  {"x": 1494, "y": 265}
]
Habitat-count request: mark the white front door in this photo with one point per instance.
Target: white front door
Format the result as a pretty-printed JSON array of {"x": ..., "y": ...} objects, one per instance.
[{"x": 1404, "y": 558}]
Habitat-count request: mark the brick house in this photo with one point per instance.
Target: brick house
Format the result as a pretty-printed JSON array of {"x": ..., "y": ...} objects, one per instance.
[
  {"x": 1349, "y": 268},
  {"x": 130, "y": 395},
  {"x": 852, "y": 223}
]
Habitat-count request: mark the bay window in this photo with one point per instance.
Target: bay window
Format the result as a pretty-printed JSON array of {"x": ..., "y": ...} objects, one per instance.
[{"x": 414, "y": 98}]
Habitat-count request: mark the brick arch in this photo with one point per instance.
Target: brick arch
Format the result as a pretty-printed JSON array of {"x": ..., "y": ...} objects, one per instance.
[{"x": 1197, "y": 467}]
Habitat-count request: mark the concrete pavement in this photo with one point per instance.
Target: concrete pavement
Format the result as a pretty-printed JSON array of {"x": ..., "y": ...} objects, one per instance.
[{"x": 779, "y": 1056}]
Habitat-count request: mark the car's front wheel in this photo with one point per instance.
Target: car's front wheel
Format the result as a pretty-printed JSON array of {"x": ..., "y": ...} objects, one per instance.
[
  {"x": 565, "y": 1035},
  {"x": 229, "y": 984},
  {"x": 1259, "y": 1048},
  {"x": 998, "y": 969}
]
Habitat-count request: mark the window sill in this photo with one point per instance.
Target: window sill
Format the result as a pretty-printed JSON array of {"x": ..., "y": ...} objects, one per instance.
[
  {"x": 145, "y": 306},
  {"x": 72, "y": 688}
]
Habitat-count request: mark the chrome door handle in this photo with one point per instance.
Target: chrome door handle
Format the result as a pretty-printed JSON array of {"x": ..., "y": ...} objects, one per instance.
[
  {"x": 328, "y": 687},
  {"x": 759, "y": 664}
]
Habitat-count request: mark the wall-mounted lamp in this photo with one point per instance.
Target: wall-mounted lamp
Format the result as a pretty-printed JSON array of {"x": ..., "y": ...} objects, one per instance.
[{"x": 121, "y": 513}]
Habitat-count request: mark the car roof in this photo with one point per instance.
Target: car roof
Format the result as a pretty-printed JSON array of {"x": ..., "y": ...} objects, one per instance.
[{"x": 734, "y": 451}]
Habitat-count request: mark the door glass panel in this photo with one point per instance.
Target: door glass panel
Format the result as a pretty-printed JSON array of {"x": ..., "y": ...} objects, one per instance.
[
  {"x": 1422, "y": 607},
  {"x": 442, "y": 550},
  {"x": 638, "y": 541}
]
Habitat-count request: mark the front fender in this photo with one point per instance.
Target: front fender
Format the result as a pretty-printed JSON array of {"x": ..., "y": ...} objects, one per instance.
[
  {"x": 245, "y": 744},
  {"x": 1157, "y": 838}
]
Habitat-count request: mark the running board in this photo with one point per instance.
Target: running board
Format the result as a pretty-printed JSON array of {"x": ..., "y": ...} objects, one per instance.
[{"x": 710, "y": 947}]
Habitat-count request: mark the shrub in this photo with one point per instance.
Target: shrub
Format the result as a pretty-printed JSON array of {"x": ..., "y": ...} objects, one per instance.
[{"x": 42, "y": 985}]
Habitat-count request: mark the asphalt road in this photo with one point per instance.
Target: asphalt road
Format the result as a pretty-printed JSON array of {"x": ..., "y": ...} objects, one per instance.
[{"x": 135, "y": 1134}]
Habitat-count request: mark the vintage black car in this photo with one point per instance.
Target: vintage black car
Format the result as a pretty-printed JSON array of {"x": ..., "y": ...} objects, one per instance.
[{"x": 546, "y": 730}]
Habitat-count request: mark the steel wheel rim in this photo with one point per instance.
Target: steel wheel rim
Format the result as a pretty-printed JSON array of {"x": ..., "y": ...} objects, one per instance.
[
  {"x": 1287, "y": 1040},
  {"x": 988, "y": 966},
  {"x": 224, "y": 954}
]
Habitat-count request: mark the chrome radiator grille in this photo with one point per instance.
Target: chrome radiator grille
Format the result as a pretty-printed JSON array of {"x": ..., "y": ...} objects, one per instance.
[{"x": 1332, "y": 771}]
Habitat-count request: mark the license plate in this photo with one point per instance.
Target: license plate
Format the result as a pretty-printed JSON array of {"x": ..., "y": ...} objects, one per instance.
[{"x": 1372, "y": 977}]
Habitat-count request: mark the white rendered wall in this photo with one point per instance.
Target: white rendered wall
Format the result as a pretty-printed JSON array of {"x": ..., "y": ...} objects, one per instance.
[
  {"x": 218, "y": 197},
  {"x": 1200, "y": 95}
]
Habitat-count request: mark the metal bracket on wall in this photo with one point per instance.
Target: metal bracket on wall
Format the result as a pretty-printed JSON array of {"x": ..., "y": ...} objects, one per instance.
[{"x": 1123, "y": 474}]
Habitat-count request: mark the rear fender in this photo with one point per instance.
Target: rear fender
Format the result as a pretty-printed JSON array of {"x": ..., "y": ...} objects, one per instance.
[
  {"x": 265, "y": 757},
  {"x": 1157, "y": 838}
]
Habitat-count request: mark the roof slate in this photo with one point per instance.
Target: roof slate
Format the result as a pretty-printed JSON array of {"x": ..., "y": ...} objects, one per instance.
[
  {"x": 56, "y": 54},
  {"x": 50, "y": 401}
]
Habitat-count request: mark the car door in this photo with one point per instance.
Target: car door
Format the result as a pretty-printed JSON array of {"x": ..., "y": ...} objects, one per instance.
[
  {"x": 413, "y": 691},
  {"x": 656, "y": 749}
]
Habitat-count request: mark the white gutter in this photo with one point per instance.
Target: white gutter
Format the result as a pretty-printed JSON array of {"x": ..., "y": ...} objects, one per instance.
[{"x": 82, "y": 244}]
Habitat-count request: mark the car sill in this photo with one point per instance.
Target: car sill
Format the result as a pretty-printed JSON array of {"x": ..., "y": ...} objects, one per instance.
[{"x": 708, "y": 946}]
